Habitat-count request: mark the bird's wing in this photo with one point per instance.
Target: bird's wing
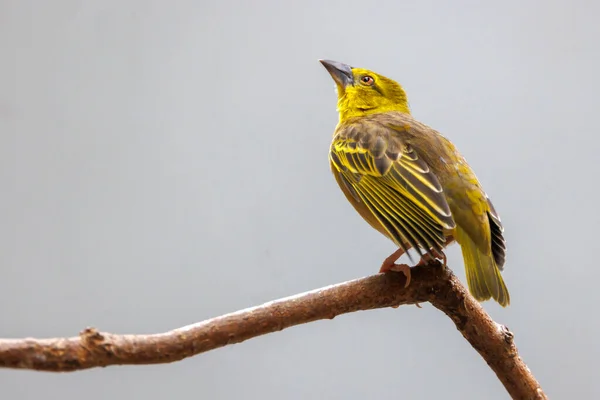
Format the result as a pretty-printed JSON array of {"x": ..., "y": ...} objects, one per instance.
[{"x": 386, "y": 174}]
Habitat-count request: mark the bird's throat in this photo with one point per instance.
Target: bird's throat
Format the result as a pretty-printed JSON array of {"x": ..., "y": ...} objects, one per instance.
[{"x": 346, "y": 112}]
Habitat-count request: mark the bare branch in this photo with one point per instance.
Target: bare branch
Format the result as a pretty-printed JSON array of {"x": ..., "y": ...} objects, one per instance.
[{"x": 429, "y": 283}]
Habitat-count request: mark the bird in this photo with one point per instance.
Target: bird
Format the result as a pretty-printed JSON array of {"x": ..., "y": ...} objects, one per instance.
[{"x": 410, "y": 183}]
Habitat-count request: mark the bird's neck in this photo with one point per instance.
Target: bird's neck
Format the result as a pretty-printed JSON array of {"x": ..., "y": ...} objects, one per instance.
[{"x": 346, "y": 112}]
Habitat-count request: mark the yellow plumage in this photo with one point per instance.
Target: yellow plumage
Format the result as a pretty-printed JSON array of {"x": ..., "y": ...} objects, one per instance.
[{"x": 410, "y": 183}]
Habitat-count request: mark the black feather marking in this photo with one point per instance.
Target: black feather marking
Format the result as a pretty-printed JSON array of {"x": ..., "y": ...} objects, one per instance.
[{"x": 498, "y": 242}]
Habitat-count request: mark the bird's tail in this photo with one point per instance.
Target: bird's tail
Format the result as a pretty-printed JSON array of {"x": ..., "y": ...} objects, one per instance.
[{"x": 483, "y": 275}]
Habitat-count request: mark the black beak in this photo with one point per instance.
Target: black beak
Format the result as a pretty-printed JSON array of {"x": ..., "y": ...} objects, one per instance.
[{"x": 341, "y": 73}]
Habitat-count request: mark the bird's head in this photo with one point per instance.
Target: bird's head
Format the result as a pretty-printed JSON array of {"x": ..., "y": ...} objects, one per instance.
[{"x": 362, "y": 92}]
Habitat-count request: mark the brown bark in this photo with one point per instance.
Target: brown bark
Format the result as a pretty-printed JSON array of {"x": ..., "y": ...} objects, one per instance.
[{"x": 432, "y": 283}]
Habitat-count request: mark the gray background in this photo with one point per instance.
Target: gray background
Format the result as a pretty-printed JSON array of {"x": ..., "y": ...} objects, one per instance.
[{"x": 166, "y": 162}]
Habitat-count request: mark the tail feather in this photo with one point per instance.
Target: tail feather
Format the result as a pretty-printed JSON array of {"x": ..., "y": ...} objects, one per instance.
[{"x": 483, "y": 275}]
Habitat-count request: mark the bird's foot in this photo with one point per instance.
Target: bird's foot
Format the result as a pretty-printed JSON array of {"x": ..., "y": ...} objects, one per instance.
[
  {"x": 389, "y": 262},
  {"x": 404, "y": 268}
]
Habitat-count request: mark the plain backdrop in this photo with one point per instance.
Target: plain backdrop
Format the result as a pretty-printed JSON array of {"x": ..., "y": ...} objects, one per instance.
[{"x": 166, "y": 162}]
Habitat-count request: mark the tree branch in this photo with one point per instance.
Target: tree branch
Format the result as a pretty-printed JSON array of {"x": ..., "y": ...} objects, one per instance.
[{"x": 431, "y": 283}]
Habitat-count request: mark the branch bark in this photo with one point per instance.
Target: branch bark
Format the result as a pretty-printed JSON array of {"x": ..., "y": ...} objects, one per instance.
[{"x": 431, "y": 283}]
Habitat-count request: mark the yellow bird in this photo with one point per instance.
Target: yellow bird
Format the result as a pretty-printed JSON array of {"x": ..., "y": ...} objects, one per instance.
[{"x": 410, "y": 183}]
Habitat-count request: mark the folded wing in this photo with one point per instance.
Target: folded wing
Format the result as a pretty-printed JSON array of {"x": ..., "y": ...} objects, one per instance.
[{"x": 386, "y": 174}]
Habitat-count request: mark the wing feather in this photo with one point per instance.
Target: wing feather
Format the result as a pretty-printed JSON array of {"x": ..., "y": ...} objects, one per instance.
[
  {"x": 393, "y": 230},
  {"x": 426, "y": 228},
  {"x": 388, "y": 208}
]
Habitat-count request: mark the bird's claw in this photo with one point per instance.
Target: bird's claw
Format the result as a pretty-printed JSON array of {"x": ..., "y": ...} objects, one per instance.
[
  {"x": 389, "y": 264},
  {"x": 404, "y": 268}
]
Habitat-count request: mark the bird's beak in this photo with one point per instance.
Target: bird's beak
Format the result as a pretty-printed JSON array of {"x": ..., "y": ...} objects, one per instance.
[{"x": 341, "y": 73}]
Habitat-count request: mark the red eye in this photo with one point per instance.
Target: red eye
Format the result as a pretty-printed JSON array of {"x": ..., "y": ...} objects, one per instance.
[{"x": 367, "y": 80}]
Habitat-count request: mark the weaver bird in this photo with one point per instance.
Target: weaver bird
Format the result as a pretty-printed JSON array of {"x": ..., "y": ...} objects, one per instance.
[{"x": 410, "y": 183}]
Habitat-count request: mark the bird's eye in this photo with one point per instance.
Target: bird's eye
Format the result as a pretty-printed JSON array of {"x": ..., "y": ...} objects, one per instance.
[{"x": 367, "y": 80}]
